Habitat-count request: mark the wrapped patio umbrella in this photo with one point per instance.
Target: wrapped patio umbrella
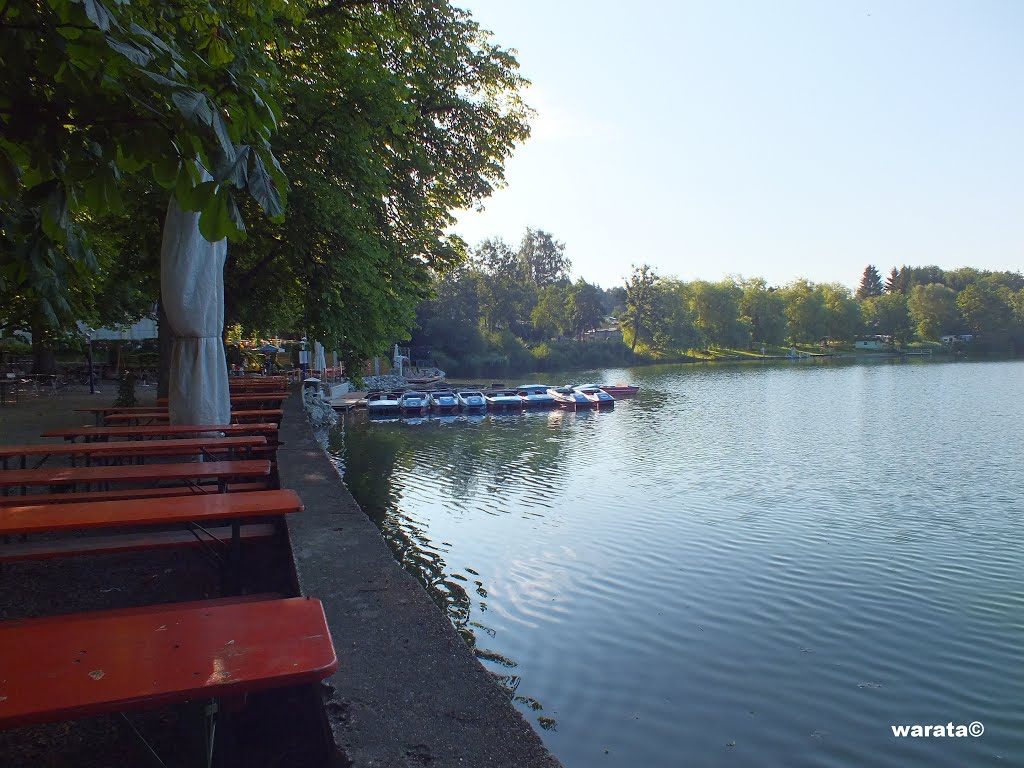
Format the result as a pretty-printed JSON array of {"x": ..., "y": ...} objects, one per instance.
[
  {"x": 320, "y": 360},
  {"x": 192, "y": 295}
]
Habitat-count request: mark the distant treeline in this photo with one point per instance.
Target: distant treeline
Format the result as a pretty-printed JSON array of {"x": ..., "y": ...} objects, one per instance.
[{"x": 517, "y": 309}]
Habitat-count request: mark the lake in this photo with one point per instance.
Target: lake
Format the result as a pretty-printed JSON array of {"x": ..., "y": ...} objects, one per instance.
[{"x": 750, "y": 565}]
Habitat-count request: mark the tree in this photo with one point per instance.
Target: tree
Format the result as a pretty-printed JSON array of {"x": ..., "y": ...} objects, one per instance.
[
  {"x": 933, "y": 309},
  {"x": 986, "y": 309},
  {"x": 898, "y": 281},
  {"x": 870, "y": 283},
  {"x": 805, "y": 311},
  {"x": 887, "y": 315},
  {"x": 716, "y": 313},
  {"x": 765, "y": 311},
  {"x": 99, "y": 95},
  {"x": 640, "y": 294},
  {"x": 843, "y": 318},
  {"x": 543, "y": 258},
  {"x": 549, "y": 316},
  {"x": 583, "y": 307}
]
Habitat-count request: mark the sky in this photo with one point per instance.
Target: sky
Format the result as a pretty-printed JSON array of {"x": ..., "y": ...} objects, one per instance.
[{"x": 772, "y": 138}]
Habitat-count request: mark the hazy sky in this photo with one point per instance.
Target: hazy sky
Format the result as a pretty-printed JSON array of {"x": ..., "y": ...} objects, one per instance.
[{"x": 782, "y": 139}]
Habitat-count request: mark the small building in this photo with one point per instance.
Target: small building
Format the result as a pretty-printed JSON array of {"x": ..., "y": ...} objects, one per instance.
[
  {"x": 871, "y": 342},
  {"x": 603, "y": 334},
  {"x": 954, "y": 338}
]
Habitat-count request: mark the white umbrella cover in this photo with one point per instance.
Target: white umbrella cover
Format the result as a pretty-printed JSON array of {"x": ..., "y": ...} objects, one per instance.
[
  {"x": 192, "y": 294},
  {"x": 320, "y": 363}
]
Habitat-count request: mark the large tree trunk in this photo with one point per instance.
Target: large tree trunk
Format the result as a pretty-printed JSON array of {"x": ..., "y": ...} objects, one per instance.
[
  {"x": 44, "y": 360},
  {"x": 165, "y": 342}
]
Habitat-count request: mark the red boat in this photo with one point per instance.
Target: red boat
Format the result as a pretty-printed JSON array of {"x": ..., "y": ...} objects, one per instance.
[{"x": 620, "y": 390}]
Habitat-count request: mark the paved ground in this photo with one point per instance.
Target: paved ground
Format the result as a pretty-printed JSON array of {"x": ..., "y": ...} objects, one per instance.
[{"x": 408, "y": 691}]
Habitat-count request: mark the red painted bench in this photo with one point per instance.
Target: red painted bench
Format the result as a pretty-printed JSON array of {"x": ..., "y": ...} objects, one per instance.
[
  {"x": 220, "y": 471},
  {"x": 61, "y": 668},
  {"x": 204, "y": 446},
  {"x": 156, "y": 416},
  {"x": 119, "y": 494},
  {"x": 160, "y": 431}
]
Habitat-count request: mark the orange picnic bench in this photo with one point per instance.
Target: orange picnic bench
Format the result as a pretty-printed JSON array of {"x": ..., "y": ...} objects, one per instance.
[
  {"x": 209, "y": 447},
  {"x": 159, "y": 431},
  {"x": 80, "y": 665},
  {"x": 197, "y": 514},
  {"x": 192, "y": 473},
  {"x": 156, "y": 416}
]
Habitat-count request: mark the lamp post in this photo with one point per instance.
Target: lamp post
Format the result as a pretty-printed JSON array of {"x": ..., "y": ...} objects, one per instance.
[
  {"x": 88, "y": 358},
  {"x": 303, "y": 359}
]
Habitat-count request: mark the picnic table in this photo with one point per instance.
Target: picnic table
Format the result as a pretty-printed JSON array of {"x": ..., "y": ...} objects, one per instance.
[
  {"x": 190, "y": 473},
  {"x": 65, "y": 667},
  {"x": 208, "y": 447},
  {"x": 160, "y": 431},
  {"x": 157, "y": 416},
  {"x": 271, "y": 400}
]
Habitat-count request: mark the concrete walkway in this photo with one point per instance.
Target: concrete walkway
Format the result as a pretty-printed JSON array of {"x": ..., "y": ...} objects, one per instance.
[{"x": 408, "y": 691}]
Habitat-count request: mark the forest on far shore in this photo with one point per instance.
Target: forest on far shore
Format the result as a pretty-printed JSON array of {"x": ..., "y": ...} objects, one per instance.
[{"x": 517, "y": 309}]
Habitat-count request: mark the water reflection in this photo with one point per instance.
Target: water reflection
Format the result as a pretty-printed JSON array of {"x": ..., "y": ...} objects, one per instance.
[{"x": 453, "y": 462}]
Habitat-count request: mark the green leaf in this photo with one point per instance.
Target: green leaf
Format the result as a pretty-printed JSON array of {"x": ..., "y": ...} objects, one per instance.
[
  {"x": 165, "y": 171},
  {"x": 160, "y": 79},
  {"x": 220, "y": 128},
  {"x": 196, "y": 198},
  {"x": 131, "y": 52},
  {"x": 262, "y": 187},
  {"x": 215, "y": 218},
  {"x": 236, "y": 172},
  {"x": 98, "y": 14},
  {"x": 194, "y": 106}
]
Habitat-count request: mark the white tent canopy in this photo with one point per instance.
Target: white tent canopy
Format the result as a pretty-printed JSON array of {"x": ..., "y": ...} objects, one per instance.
[{"x": 192, "y": 294}]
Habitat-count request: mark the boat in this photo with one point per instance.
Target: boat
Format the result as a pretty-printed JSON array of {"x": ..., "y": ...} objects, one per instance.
[
  {"x": 443, "y": 400},
  {"x": 620, "y": 390},
  {"x": 415, "y": 403},
  {"x": 382, "y": 404},
  {"x": 503, "y": 398},
  {"x": 535, "y": 395},
  {"x": 567, "y": 397},
  {"x": 596, "y": 395},
  {"x": 471, "y": 400}
]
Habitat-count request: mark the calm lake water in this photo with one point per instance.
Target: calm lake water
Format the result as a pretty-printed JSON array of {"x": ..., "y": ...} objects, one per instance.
[{"x": 743, "y": 566}]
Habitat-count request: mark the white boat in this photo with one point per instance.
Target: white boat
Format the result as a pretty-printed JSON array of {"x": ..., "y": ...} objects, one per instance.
[
  {"x": 504, "y": 398},
  {"x": 471, "y": 400},
  {"x": 382, "y": 404},
  {"x": 596, "y": 395},
  {"x": 415, "y": 403},
  {"x": 567, "y": 397},
  {"x": 536, "y": 395},
  {"x": 443, "y": 400}
]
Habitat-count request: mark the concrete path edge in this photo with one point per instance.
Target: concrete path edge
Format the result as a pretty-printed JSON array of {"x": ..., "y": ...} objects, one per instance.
[{"x": 408, "y": 691}]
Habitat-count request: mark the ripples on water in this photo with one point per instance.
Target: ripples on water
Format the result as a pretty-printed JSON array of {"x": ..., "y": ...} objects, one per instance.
[{"x": 742, "y": 566}]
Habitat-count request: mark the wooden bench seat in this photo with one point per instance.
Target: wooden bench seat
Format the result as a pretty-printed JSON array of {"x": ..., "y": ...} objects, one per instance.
[
  {"x": 200, "y": 508},
  {"x": 126, "y": 542},
  {"x": 159, "y": 431},
  {"x": 220, "y": 471},
  {"x": 120, "y": 494},
  {"x": 116, "y": 661},
  {"x": 133, "y": 448},
  {"x": 151, "y": 416}
]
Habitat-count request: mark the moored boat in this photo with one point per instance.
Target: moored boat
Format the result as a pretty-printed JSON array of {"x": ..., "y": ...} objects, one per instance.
[
  {"x": 620, "y": 390},
  {"x": 443, "y": 400},
  {"x": 535, "y": 395},
  {"x": 471, "y": 400},
  {"x": 597, "y": 396},
  {"x": 567, "y": 397},
  {"x": 414, "y": 403},
  {"x": 381, "y": 404},
  {"x": 503, "y": 398}
]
